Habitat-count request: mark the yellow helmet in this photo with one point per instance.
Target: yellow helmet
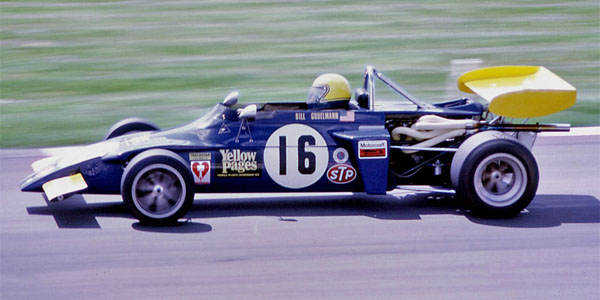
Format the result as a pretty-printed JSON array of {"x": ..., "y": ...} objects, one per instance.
[{"x": 329, "y": 91}]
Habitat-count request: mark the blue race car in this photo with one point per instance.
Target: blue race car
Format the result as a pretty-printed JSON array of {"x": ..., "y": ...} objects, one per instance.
[{"x": 329, "y": 143}]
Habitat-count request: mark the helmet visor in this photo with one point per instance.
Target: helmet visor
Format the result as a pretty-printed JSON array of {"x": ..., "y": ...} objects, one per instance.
[{"x": 316, "y": 94}]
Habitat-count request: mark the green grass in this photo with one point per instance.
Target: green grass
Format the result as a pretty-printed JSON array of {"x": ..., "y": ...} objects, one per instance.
[{"x": 69, "y": 70}]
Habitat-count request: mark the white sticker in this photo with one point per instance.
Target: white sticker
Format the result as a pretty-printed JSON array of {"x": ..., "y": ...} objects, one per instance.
[
  {"x": 201, "y": 171},
  {"x": 296, "y": 156},
  {"x": 372, "y": 149},
  {"x": 340, "y": 155}
]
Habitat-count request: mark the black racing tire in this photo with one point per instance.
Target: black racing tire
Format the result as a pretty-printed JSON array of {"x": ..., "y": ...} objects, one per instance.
[
  {"x": 498, "y": 179},
  {"x": 157, "y": 187},
  {"x": 130, "y": 125}
]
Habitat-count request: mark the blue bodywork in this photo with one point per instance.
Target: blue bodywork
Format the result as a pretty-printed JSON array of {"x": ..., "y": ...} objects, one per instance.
[{"x": 285, "y": 147}]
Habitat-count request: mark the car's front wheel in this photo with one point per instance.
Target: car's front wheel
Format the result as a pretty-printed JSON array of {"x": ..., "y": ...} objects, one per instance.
[
  {"x": 157, "y": 187},
  {"x": 499, "y": 178},
  {"x": 130, "y": 125}
]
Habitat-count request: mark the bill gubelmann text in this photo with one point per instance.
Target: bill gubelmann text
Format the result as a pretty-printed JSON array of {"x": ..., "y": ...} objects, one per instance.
[{"x": 238, "y": 163}]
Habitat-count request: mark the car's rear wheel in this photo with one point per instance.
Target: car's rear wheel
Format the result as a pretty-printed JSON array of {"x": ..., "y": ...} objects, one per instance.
[
  {"x": 130, "y": 125},
  {"x": 499, "y": 178},
  {"x": 157, "y": 187}
]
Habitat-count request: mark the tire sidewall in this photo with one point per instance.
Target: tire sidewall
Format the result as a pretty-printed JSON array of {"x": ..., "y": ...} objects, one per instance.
[
  {"x": 157, "y": 157},
  {"x": 467, "y": 189},
  {"x": 130, "y": 125}
]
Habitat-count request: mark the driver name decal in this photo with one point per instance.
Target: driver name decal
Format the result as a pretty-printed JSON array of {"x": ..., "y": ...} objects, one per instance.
[
  {"x": 238, "y": 163},
  {"x": 318, "y": 116},
  {"x": 325, "y": 115}
]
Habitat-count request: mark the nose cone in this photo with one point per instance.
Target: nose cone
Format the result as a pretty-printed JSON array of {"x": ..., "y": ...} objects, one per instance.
[{"x": 64, "y": 163}]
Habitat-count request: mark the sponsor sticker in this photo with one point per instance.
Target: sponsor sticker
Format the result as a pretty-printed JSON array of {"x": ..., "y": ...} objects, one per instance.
[
  {"x": 200, "y": 156},
  {"x": 238, "y": 163},
  {"x": 372, "y": 149},
  {"x": 340, "y": 155},
  {"x": 201, "y": 171},
  {"x": 341, "y": 174}
]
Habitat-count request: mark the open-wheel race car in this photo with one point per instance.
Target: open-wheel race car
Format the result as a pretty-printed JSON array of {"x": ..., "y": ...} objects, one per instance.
[{"x": 329, "y": 143}]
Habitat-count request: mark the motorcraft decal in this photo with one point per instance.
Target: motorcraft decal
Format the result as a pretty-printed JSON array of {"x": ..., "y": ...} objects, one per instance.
[{"x": 372, "y": 149}]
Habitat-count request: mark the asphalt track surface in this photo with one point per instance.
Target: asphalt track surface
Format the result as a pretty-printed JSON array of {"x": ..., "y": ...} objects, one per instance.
[{"x": 399, "y": 246}]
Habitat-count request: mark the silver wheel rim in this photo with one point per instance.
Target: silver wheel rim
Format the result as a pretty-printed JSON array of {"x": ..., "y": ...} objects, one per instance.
[
  {"x": 500, "y": 179},
  {"x": 158, "y": 191}
]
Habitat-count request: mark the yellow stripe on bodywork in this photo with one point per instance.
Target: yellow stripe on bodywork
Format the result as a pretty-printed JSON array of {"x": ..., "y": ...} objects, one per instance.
[
  {"x": 519, "y": 91},
  {"x": 64, "y": 185}
]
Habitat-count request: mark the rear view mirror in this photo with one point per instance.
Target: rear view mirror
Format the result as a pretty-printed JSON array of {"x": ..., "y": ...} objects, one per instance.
[
  {"x": 231, "y": 99},
  {"x": 248, "y": 112}
]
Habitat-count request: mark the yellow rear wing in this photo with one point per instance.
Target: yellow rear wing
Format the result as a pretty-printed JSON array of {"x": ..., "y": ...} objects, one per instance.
[{"x": 519, "y": 91}]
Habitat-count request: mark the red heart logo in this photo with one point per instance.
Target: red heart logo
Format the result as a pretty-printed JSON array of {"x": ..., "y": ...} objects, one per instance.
[
  {"x": 200, "y": 168},
  {"x": 205, "y": 168},
  {"x": 195, "y": 169}
]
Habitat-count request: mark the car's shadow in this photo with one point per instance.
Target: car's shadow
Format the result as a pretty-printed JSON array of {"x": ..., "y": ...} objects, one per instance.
[{"x": 544, "y": 211}]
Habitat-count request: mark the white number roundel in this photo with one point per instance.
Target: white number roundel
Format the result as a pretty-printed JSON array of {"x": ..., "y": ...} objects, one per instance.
[{"x": 296, "y": 156}]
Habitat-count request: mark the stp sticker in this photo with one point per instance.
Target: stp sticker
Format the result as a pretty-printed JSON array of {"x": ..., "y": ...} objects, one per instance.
[
  {"x": 341, "y": 174},
  {"x": 340, "y": 155},
  {"x": 372, "y": 149},
  {"x": 201, "y": 171}
]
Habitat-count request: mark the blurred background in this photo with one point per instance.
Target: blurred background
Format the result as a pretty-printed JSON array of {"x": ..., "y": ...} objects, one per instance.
[{"x": 70, "y": 69}]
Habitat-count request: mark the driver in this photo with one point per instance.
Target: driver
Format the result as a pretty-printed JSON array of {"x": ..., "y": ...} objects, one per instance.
[{"x": 329, "y": 91}]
